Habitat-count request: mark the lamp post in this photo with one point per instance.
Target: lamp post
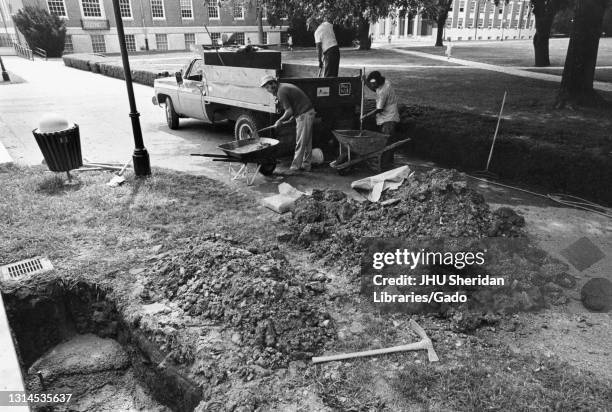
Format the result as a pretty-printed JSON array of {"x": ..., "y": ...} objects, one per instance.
[
  {"x": 142, "y": 166},
  {"x": 5, "y": 75}
]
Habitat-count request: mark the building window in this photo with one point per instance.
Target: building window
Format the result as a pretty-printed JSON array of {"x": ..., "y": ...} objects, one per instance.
[
  {"x": 186, "y": 9},
  {"x": 68, "y": 46},
  {"x": 97, "y": 43},
  {"x": 239, "y": 37},
  {"x": 284, "y": 36},
  {"x": 91, "y": 8},
  {"x": 472, "y": 6},
  {"x": 461, "y": 7},
  {"x": 57, "y": 7},
  {"x": 480, "y": 23},
  {"x": 470, "y": 23},
  {"x": 238, "y": 10},
  {"x": 214, "y": 38},
  {"x": 500, "y": 11},
  {"x": 125, "y": 9},
  {"x": 130, "y": 42},
  {"x": 161, "y": 41},
  {"x": 460, "y": 23},
  {"x": 265, "y": 37},
  {"x": 213, "y": 9},
  {"x": 189, "y": 40},
  {"x": 449, "y": 22},
  {"x": 157, "y": 9}
]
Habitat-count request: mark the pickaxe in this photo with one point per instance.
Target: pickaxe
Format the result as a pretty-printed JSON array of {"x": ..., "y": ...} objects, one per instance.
[{"x": 424, "y": 343}]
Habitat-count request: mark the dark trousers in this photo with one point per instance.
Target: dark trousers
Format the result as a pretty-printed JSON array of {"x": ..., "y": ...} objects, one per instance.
[
  {"x": 387, "y": 157},
  {"x": 331, "y": 62}
]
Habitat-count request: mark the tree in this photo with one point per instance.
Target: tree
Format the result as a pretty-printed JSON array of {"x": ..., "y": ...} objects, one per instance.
[
  {"x": 544, "y": 12},
  {"x": 41, "y": 29},
  {"x": 436, "y": 10},
  {"x": 579, "y": 70},
  {"x": 356, "y": 13}
]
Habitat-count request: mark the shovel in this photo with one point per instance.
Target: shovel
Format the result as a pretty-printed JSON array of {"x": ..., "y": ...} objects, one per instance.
[
  {"x": 272, "y": 127},
  {"x": 118, "y": 178}
]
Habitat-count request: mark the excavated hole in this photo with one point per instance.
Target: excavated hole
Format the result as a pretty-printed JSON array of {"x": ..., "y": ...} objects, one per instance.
[{"x": 82, "y": 325}]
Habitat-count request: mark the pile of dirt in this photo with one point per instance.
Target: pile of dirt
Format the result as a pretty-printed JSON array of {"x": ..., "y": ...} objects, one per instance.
[
  {"x": 269, "y": 307},
  {"x": 435, "y": 204}
]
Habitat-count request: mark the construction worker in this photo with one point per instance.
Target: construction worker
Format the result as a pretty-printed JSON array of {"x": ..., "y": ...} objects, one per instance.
[
  {"x": 296, "y": 104},
  {"x": 327, "y": 47}
]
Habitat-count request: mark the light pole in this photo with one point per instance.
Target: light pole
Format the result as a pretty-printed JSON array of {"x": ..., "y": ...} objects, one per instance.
[{"x": 142, "y": 166}]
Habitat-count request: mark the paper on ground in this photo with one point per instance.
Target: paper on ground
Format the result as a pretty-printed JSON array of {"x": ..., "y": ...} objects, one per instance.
[
  {"x": 375, "y": 185},
  {"x": 284, "y": 201}
]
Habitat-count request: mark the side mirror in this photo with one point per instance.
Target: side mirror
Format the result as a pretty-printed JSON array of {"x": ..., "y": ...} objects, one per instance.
[{"x": 179, "y": 77}]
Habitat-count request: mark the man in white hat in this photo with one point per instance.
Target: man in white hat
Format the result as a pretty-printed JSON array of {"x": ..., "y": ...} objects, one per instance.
[{"x": 296, "y": 104}]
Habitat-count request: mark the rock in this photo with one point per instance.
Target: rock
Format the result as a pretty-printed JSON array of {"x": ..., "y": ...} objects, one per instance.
[
  {"x": 596, "y": 294},
  {"x": 311, "y": 233},
  {"x": 236, "y": 338},
  {"x": 565, "y": 280}
]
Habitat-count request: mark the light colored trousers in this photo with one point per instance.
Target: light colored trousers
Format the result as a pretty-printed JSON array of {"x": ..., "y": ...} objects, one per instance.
[{"x": 303, "y": 140}]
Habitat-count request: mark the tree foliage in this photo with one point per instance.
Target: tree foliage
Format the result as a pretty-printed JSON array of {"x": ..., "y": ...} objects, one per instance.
[{"x": 41, "y": 29}]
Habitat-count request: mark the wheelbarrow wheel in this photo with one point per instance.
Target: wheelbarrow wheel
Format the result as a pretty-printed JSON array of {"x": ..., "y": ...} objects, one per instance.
[{"x": 267, "y": 167}]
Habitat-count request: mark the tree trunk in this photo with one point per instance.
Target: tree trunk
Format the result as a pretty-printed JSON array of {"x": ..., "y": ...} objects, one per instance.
[
  {"x": 579, "y": 70},
  {"x": 365, "y": 43},
  {"x": 440, "y": 32},
  {"x": 260, "y": 31},
  {"x": 541, "y": 38}
]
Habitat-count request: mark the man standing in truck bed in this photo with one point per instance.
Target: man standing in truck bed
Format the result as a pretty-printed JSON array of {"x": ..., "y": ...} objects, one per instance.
[
  {"x": 327, "y": 47},
  {"x": 296, "y": 104}
]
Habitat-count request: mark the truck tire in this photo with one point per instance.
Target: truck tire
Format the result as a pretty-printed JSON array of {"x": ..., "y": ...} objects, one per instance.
[
  {"x": 171, "y": 116},
  {"x": 247, "y": 125}
]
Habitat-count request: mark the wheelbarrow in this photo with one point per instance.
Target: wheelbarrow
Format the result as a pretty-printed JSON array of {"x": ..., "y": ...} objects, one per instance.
[
  {"x": 258, "y": 150},
  {"x": 365, "y": 144}
]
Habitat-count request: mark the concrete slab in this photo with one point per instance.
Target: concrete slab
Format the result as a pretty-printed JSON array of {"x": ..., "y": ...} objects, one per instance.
[
  {"x": 5, "y": 157},
  {"x": 11, "y": 381}
]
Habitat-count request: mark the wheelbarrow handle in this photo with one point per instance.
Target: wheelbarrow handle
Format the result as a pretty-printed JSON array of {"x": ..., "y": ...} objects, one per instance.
[
  {"x": 272, "y": 126},
  {"x": 220, "y": 156}
]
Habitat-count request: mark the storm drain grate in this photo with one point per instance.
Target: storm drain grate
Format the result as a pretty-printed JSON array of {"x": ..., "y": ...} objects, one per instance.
[{"x": 25, "y": 267}]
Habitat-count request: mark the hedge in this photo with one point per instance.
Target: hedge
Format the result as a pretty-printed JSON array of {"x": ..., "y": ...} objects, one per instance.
[{"x": 98, "y": 64}]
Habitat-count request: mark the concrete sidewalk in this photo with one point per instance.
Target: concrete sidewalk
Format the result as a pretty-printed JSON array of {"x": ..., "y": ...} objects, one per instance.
[{"x": 603, "y": 86}]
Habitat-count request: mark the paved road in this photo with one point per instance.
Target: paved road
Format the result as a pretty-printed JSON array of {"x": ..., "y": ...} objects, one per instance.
[{"x": 99, "y": 105}]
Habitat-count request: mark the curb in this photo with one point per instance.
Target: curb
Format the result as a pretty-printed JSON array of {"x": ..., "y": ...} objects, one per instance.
[{"x": 5, "y": 157}]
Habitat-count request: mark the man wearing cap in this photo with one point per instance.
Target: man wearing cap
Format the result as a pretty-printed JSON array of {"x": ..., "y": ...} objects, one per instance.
[
  {"x": 296, "y": 104},
  {"x": 327, "y": 47},
  {"x": 387, "y": 113}
]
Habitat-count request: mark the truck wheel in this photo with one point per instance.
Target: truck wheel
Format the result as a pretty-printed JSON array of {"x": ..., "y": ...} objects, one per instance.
[
  {"x": 246, "y": 126},
  {"x": 171, "y": 116}
]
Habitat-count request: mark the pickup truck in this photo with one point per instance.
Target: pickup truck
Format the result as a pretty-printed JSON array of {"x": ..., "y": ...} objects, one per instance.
[{"x": 224, "y": 85}]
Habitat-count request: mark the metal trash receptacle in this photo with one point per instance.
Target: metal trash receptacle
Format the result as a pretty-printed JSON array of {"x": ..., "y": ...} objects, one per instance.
[{"x": 61, "y": 149}]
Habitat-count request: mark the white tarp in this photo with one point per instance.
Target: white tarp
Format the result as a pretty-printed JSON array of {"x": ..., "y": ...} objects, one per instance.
[{"x": 373, "y": 186}]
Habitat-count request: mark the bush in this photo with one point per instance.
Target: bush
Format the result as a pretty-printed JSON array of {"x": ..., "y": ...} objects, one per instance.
[{"x": 41, "y": 29}]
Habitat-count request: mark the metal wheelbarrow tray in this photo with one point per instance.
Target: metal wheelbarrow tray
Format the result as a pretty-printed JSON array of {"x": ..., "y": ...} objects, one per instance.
[
  {"x": 366, "y": 144},
  {"x": 258, "y": 150}
]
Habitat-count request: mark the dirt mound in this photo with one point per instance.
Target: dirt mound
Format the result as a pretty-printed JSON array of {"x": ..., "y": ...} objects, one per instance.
[
  {"x": 270, "y": 307},
  {"x": 435, "y": 204}
]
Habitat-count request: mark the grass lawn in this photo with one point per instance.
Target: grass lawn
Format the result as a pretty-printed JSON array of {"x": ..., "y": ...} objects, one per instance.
[
  {"x": 98, "y": 233},
  {"x": 515, "y": 52},
  {"x": 464, "y": 98}
]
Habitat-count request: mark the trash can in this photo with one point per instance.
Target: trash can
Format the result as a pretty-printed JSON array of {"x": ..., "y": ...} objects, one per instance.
[{"x": 61, "y": 149}]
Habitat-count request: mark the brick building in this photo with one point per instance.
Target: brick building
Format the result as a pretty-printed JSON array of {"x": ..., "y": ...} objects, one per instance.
[
  {"x": 154, "y": 24},
  {"x": 467, "y": 20}
]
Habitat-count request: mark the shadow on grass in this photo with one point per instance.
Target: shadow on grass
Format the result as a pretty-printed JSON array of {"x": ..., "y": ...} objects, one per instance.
[{"x": 58, "y": 185}]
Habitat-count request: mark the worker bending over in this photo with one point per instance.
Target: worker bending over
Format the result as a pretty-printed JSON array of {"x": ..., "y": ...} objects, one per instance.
[
  {"x": 296, "y": 104},
  {"x": 327, "y": 47}
]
